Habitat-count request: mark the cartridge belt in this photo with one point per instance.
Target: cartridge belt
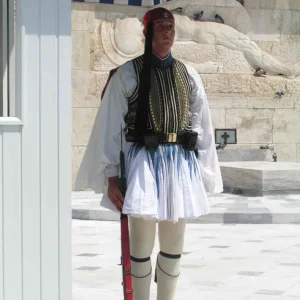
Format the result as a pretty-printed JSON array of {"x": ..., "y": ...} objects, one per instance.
[{"x": 151, "y": 140}]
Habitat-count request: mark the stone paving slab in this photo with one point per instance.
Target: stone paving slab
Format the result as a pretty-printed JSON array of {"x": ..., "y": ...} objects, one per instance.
[
  {"x": 225, "y": 208},
  {"x": 220, "y": 262}
]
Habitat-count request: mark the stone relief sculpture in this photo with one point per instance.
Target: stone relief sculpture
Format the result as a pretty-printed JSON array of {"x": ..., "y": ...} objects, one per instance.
[
  {"x": 123, "y": 40},
  {"x": 242, "y": 2}
]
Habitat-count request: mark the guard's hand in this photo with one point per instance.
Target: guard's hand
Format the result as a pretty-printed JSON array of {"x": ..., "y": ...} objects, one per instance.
[{"x": 114, "y": 193}]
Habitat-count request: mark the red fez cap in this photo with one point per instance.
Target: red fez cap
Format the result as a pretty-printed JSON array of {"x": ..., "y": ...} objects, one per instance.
[{"x": 157, "y": 14}]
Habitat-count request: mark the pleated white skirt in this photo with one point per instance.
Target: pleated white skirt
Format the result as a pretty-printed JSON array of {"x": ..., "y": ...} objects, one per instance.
[{"x": 164, "y": 184}]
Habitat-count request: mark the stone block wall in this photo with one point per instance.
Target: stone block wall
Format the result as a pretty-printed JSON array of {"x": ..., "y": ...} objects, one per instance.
[{"x": 237, "y": 98}]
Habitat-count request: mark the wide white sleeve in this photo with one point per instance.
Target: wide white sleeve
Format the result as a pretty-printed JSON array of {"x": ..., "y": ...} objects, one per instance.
[
  {"x": 112, "y": 113},
  {"x": 202, "y": 123},
  {"x": 102, "y": 156}
]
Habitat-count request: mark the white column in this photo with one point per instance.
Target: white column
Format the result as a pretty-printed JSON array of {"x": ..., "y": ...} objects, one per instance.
[{"x": 47, "y": 150}]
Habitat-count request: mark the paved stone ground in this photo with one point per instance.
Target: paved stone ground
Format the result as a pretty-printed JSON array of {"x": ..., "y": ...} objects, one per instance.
[
  {"x": 220, "y": 262},
  {"x": 225, "y": 208}
]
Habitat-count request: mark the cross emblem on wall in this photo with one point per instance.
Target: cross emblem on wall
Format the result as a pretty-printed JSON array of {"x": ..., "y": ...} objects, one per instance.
[{"x": 225, "y": 136}]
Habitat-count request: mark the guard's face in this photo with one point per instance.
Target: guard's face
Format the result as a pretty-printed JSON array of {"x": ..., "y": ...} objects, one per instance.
[{"x": 163, "y": 35}]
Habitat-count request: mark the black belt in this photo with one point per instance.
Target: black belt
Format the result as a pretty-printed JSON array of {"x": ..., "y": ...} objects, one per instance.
[{"x": 152, "y": 140}]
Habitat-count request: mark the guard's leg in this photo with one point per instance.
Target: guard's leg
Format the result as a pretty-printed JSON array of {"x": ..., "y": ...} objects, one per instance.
[
  {"x": 142, "y": 238},
  {"x": 171, "y": 239}
]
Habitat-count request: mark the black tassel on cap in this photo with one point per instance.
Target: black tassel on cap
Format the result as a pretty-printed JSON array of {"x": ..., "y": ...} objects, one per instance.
[{"x": 144, "y": 88}]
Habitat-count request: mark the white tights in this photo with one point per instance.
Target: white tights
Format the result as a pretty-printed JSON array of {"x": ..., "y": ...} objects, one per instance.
[{"x": 142, "y": 239}]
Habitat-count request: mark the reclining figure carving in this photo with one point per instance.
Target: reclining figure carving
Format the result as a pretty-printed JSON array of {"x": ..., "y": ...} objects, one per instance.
[{"x": 126, "y": 39}]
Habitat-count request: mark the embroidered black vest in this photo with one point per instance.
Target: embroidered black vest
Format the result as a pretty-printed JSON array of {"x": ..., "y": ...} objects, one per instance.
[{"x": 169, "y": 98}]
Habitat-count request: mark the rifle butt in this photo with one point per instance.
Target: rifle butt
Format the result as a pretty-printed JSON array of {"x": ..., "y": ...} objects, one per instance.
[{"x": 126, "y": 260}]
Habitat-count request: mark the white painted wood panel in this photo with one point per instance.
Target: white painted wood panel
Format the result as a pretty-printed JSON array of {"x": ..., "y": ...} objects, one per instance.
[
  {"x": 12, "y": 212},
  {"x": 35, "y": 160},
  {"x": 65, "y": 149},
  {"x": 31, "y": 156},
  {"x": 49, "y": 150},
  {"x": 1, "y": 217}
]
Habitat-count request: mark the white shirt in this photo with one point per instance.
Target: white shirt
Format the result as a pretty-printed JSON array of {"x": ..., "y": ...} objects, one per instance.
[{"x": 101, "y": 159}]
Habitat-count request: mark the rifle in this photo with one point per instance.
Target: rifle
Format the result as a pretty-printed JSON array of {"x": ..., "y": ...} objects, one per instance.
[{"x": 125, "y": 248}]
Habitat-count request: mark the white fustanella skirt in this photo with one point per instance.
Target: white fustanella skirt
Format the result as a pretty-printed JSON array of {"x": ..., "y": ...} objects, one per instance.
[{"x": 165, "y": 184}]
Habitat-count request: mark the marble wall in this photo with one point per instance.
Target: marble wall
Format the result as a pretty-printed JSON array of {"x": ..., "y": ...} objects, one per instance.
[{"x": 263, "y": 33}]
